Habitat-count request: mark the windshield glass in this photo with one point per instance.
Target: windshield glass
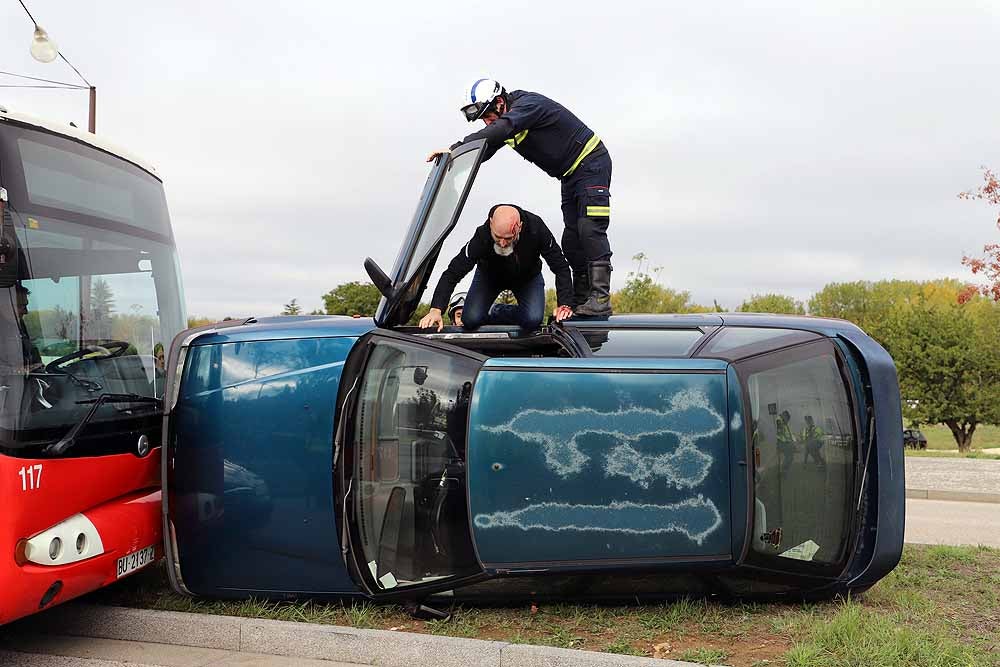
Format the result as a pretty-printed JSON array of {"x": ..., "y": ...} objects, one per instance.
[
  {"x": 445, "y": 207},
  {"x": 409, "y": 475},
  {"x": 95, "y": 301}
]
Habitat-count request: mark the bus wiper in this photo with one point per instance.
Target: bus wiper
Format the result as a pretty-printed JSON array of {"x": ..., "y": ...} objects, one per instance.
[{"x": 68, "y": 440}]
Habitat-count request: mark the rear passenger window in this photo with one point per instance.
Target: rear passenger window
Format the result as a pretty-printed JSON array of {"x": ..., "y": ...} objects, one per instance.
[
  {"x": 740, "y": 342},
  {"x": 641, "y": 342}
]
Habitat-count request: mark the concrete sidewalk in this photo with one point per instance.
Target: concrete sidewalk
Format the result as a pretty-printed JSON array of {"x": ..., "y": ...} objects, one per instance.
[
  {"x": 60, "y": 651},
  {"x": 305, "y": 641},
  {"x": 969, "y": 480}
]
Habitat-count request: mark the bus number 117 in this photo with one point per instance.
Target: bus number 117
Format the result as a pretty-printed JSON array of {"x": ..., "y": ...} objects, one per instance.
[{"x": 31, "y": 477}]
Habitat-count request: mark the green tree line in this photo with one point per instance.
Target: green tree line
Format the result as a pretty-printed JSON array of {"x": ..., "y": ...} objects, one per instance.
[{"x": 946, "y": 349}]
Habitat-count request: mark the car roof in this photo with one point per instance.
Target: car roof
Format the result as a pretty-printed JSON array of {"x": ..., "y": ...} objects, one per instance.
[
  {"x": 289, "y": 327},
  {"x": 820, "y": 325}
]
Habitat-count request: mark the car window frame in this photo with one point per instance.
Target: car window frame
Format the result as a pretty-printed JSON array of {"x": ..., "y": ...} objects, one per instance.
[
  {"x": 770, "y": 360},
  {"x": 409, "y": 275},
  {"x": 347, "y": 402},
  {"x": 581, "y": 328}
]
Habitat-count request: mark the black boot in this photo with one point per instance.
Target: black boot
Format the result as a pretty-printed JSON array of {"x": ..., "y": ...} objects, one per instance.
[
  {"x": 581, "y": 286},
  {"x": 599, "y": 302}
]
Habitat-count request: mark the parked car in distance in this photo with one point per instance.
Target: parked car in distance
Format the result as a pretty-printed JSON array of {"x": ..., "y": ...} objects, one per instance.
[{"x": 914, "y": 439}]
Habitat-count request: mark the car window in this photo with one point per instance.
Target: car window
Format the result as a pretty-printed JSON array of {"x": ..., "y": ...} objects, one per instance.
[
  {"x": 641, "y": 342},
  {"x": 740, "y": 342},
  {"x": 803, "y": 438},
  {"x": 443, "y": 209}
]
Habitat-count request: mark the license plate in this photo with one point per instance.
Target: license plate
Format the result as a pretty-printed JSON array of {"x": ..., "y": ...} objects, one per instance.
[{"x": 129, "y": 563}]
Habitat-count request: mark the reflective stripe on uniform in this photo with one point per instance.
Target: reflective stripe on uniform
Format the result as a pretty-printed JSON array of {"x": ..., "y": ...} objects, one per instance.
[
  {"x": 590, "y": 146},
  {"x": 518, "y": 138},
  {"x": 598, "y": 211}
]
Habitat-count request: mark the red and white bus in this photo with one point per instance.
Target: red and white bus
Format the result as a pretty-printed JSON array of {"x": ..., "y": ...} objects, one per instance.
[{"x": 90, "y": 295}]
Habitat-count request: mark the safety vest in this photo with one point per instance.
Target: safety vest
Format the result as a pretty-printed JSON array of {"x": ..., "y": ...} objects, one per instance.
[{"x": 784, "y": 434}]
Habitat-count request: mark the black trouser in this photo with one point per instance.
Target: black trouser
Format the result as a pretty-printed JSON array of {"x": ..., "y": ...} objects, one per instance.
[{"x": 586, "y": 209}]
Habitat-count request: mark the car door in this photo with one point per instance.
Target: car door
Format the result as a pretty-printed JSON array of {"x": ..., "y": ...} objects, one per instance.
[
  {"x": 438, "y": 211},
  {"x": 600, "y": 463}
]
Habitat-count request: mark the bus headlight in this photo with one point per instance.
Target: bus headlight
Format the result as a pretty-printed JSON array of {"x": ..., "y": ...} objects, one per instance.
[{"x": 55, "y": 546}]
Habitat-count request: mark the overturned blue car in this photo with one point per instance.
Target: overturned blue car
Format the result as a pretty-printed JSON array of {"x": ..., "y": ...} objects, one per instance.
[{"x": 638, "y": 457}]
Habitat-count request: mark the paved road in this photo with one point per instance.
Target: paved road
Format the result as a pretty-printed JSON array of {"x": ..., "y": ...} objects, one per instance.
[
  {"x": 87, "y": 652},
  {"x": 946, "y": 474},
  {"x": 951, "y": 522}
]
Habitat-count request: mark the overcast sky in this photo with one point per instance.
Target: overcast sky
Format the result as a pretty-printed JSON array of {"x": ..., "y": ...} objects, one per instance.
[{"x": 767, "y": 148}]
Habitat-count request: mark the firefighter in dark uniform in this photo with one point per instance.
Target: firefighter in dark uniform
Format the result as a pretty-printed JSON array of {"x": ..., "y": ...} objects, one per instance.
[{"x": 548, "y": 135}]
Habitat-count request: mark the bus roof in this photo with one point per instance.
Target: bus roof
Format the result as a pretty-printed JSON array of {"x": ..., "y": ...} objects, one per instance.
[{"x": 79, "y": 135}]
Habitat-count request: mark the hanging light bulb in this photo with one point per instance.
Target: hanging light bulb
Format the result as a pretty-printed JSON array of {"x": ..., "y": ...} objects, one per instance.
[{"x": 43, "y": 49}]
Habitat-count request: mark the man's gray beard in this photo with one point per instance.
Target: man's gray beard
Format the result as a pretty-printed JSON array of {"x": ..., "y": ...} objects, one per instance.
[{"x": 503, "y": 252}]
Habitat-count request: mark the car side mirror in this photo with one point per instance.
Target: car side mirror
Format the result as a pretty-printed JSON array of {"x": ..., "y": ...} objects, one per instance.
[
  {"x": 420, "y": 375},
  {"x": 378, "y": 277}
]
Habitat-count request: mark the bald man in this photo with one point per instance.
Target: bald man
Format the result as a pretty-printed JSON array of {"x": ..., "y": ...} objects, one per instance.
[{"x": 507, "y": 252}]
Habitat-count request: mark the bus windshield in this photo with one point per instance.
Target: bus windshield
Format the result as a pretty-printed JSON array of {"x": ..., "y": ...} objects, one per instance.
[{"x": 95, "y": 300}]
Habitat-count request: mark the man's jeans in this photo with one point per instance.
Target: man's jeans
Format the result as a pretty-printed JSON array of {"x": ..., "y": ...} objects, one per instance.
[{"x": 527, "y": 314}]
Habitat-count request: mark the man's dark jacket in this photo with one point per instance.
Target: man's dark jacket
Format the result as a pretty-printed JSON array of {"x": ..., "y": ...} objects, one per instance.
[
  {"x": 541, "y": 130},
  {"x": 534, "y": 242}
]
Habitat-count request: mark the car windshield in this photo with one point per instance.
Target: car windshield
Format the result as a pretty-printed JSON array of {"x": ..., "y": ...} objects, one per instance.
[
  {"x": 409, "y": 475},
  {"x": 96, "y": 298}
]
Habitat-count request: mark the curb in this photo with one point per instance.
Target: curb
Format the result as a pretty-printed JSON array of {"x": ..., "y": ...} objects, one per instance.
[
  {"x": 962, "y": 496},
  {"x": 384, "y": 648}
]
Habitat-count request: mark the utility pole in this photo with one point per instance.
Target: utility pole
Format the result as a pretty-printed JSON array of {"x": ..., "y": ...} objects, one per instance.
[{"x": 92, "y": 124}]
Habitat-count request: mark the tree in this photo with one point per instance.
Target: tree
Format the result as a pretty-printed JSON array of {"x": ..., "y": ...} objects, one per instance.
[
  {"x": 353, "y": 298},
  {"x": 870, "y": 304},
  {"x": 418, "y": 314},
  {"x": 948, "y": 359},
  {"x": 195, "y": 321},
  {"x": 643, "y": 293},
  {"x": 292, "y": 308},
  {"x": 102, "y": 306},
  {"x": 550, "y": 301},
  {"x": 989, "y": 264},
  {"x": 772, "y": 303}
]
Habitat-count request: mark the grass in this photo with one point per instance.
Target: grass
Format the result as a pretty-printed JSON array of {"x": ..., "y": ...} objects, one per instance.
[{"x": 939, "y": 608}]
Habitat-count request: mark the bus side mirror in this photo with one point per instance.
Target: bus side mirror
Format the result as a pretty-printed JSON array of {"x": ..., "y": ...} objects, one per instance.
[{"x": 8, "y": 248}]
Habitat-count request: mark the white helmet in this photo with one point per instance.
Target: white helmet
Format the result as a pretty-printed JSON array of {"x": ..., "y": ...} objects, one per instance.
[
  {"x": 457, "y": 302},
  {"x": 479, "y": 98}
]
